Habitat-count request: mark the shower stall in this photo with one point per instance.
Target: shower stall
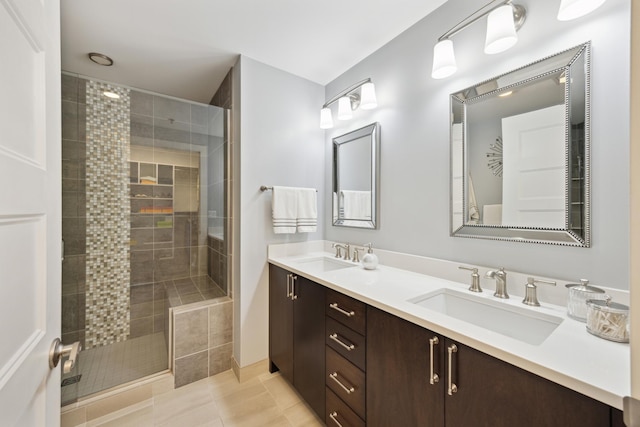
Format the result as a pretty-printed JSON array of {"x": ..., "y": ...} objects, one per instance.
[{"x": 145, "y": 225}]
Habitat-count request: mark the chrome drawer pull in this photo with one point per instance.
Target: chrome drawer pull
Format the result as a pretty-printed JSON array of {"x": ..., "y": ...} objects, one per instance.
[
  {"x": 349, "y": 390},
  {"x": 294, "y": 279},
  {"x": 433, "y": 378},
  {"x": 349, "y": 347},
  {"x": 338, "y": 309},
  {"x": 289, "y": 285},
  {"x": 452, "y": 387},
  {"x": 333, "y": 416}
]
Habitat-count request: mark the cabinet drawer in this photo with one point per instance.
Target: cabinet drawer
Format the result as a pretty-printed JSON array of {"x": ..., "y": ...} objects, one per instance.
[
  {"x": 345, "y": 341},
  {"x": 339, "y": 414},
  {"x": 346, "y": 381},
  {"x": 347, "y": 311}
]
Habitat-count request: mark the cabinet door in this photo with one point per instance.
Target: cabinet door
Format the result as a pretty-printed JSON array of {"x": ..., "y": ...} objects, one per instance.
[
  {"x": 280, "y": 323},
  {"x": 491, "y": 392},
  {"x": 309, "y": 343},
  {"x": 398, "y": 367}
]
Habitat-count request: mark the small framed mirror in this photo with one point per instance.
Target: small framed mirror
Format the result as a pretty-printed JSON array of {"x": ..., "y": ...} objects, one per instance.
[
  {"x": 355, "y": 178},
  {"x": 520, "y": 158}
]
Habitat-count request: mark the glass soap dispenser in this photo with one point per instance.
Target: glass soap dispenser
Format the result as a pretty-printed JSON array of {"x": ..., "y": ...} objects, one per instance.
[{"x": 369, "y": 260}]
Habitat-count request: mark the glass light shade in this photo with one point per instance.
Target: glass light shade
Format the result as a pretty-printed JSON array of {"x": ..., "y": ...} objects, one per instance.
[
  {"x": 344, "y": 108},
  {"x": 326, "y": 121},
  {"x": 501, "y": 30},
  {"x": 572, "y": 9},
  {"x": 111, "y": 95},
  {"x": 368, "y": 99},
  {"x": 444, "y": 60}
]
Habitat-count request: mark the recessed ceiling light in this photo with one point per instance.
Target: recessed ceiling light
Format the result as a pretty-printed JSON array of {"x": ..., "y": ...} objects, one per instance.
[
  {"x": 112, "y": 95},
  {"x": 101, "y": 59}
]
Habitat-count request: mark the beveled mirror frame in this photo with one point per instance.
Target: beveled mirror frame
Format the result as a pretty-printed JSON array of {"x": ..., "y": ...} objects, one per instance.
[
  {"x": 372, "y": 133},
  {"x": 544, "y": 68}
]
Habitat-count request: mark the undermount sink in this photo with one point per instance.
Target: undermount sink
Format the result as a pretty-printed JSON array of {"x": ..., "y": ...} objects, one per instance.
[
  {"x": 323, "y": 263},
  {"x": 515, "y": 322}
]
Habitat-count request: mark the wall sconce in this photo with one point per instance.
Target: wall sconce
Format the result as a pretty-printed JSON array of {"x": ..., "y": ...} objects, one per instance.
[
  {"x": 503, "y": 21},
  {"x": 348, "y": 101}
]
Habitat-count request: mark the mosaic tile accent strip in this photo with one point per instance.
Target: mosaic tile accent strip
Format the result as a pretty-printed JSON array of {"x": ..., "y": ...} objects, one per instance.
[{"x": 108, "y": 223}]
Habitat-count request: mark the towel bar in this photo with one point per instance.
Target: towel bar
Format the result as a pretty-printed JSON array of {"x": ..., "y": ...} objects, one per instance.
[{"x": 265, "y": 188}]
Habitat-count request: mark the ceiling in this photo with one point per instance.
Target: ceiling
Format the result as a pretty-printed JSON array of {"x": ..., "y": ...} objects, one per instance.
[{"x": 184, "y": 48}]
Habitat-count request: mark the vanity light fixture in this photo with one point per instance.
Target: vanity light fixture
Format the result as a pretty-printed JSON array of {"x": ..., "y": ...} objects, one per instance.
[
  {"x": 504, "y": 19},
  {"x": 573, "y": 9},
  {"x": 361, "y": 94}
]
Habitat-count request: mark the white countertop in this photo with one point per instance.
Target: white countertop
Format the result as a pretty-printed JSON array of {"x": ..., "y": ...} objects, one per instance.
[{"x": 570, "y": 356}]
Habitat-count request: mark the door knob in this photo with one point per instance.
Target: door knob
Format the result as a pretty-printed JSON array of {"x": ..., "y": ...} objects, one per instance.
[{"x": 59, "y": 350}]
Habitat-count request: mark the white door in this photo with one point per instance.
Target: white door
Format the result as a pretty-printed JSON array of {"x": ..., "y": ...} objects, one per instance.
[
  {"x": 533, "y": 179},
  {"x": 30, "y": 217}
]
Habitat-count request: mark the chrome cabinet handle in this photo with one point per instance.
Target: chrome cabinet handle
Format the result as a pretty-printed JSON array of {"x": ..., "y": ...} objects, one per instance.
[
  {"x": 349, "y": 347},
  {"x": 452, "y": 388},
  {"x": 339, "y": 310},
  {"x": 288, "y": 295},
  {"x": 433, "y": 377},
  {"x": 294, "y": 279},
  {"x": 333, "y": 417},
  {"x": 349, "y": 390}
]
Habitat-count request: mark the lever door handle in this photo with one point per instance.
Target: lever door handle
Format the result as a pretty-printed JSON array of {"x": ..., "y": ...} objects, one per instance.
[{"x": 59, "y": 350}]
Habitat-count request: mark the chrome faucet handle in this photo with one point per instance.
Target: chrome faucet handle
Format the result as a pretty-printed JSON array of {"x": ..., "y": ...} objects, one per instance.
[
  {"x": 500, "y": 277},
  {"x": 530, "y": 296},
  {"x": 475, "y": 278},
  {"x": 347, "y": 252},
  {"x": 356, "y": 255},
  {"x": 338, "y": 249}
]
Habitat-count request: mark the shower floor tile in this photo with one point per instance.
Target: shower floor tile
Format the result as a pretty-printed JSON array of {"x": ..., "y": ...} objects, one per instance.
[{"x": 108, "y": 366}]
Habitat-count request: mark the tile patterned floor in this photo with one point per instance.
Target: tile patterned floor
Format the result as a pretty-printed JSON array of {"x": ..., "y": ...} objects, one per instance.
[
  {"x": 119, "y": 363},
  {"x": 219, "y": 401}
]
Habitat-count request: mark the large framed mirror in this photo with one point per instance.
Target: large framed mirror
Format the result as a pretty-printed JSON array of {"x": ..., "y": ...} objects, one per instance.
[
  {"x": 355, "y": 178},
  {"x": 520, "y": 158}
]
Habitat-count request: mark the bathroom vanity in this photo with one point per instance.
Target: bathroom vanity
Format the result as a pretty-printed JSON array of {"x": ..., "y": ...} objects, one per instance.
[{"x": 363, "y": 348}]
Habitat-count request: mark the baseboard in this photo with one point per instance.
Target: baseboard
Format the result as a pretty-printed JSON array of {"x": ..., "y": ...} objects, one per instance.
[{"x": 247, "y": 372}]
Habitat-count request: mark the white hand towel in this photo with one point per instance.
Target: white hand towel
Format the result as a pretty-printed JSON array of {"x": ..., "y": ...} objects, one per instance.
[
  {"x": 357, "y": 204},
  {"x": 284, "y": 207},
  {"x": 307, "y": 219}
]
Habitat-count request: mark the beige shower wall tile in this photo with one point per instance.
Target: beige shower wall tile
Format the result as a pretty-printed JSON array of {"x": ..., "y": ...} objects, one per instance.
[
  {"x": 191, "y": 368},
  {"x": 191, "y": 331},
  {"x": 220, "y": 359},
  {"x": 220, "y": 324}
]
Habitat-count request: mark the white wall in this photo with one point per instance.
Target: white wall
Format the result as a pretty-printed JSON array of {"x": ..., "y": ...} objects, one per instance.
[
  {"x": 280, "y": 143},
  {"x": 414, "y": 115}
]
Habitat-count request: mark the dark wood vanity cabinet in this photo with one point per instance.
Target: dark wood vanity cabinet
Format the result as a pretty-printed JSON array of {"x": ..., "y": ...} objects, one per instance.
[
  {"x": 357, "y": 365},
  {"x": 485, "y": 391},
  {"x": 345, "y": 377},
  {"x": 297, "y": 334},
  {"x": 493, "y": 392},
  {"x": 398, "y": 369}
]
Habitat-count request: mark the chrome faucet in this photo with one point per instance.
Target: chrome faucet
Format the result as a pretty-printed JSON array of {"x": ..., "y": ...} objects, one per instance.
[
  {"x": 347, "y": 250},
  {"x": 530, "y": 297},
  {"x": 501, "y": 282},
  {"x": 475, "y": 278}
]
